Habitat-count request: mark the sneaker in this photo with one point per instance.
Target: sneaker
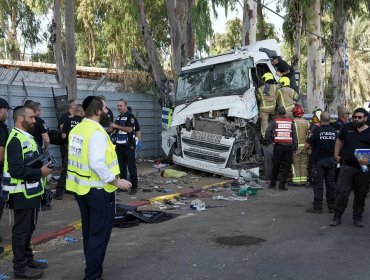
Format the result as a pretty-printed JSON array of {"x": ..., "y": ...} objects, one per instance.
[
  {"x": 37, "y": 264},
  {"x": 337, "y": 220},
  {"x": 314, "y": 210},
  {"x": 46, "y": 207},
  {"x": 132, "y": 191},
  {"x": 358, "y": 223},
  {"x": 28, "y": 273}
]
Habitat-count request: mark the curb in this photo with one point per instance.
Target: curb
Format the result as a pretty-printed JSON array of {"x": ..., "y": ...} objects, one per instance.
[{"x": 76, "y": 225}]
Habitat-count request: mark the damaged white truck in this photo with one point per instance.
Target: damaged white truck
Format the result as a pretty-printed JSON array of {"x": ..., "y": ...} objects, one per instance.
[{"x": 214, "y": 126}]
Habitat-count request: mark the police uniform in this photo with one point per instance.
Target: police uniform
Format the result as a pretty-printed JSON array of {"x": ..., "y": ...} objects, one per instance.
[
  {"x": 24, "y": 186},
  {"x": 266, "y": 95},
  {"x": 67, "y": 127},
  {"x": 300, "y": 160},
  {"x": 125, "y": 148},
  {"x": 286, "y": 97},
  {"x": 322, "y": 142},
  {"x": 282, "y": 133},
  {"x": 89, "y": 180},
  {"x": 4, "y": 134}
]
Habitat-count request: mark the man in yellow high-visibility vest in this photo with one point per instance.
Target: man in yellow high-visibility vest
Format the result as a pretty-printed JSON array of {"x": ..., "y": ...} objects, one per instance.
[{"x": 92, "y": 176}]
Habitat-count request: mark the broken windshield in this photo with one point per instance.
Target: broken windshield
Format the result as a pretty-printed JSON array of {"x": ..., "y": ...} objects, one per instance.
[{"x": 216, "y": 80}]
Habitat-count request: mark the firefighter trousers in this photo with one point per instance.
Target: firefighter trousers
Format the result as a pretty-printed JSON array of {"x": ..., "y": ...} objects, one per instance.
[
  {"x": 265, "y": 115},
  {"x": 299, "y": 166}
]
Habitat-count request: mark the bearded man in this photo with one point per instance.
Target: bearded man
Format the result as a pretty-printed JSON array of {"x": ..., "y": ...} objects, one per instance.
[{"x": 354, "y": 135}]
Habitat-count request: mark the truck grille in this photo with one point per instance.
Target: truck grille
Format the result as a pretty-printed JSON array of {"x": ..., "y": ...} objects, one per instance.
[
  {"x": 207, "y": 145},
  {"x": 205, "y": 157}
]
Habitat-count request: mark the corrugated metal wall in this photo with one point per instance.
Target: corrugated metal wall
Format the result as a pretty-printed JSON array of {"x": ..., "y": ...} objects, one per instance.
[{"x": 144, "y": 106}]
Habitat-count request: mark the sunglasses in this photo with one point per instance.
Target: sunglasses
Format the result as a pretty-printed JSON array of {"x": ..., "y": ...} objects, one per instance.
[{"x": 357, "y": 117}]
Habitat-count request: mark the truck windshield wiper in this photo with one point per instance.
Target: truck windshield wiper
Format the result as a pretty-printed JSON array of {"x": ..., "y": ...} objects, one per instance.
[{"x": 198, "y": 97}]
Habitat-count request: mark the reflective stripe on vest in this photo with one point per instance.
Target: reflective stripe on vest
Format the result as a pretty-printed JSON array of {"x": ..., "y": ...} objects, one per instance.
[
  {"x": 283, "y": 131},
  {"x": 14, "y": 185},
  {"x": 80, "y": 177}
]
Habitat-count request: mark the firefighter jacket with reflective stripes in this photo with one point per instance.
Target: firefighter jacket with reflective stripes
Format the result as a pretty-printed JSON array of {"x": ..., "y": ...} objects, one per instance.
[
  {"x": 29, "y": 151},
  {"x": 301, "y": 125},
  {"x": 286, "y": 97},
  {"x": 283, "y": 131},
  {"x": 80, "y": 177},
  {"x": 266, "y": 94}
]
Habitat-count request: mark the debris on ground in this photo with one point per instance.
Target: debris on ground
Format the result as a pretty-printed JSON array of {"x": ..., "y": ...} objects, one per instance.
[
  {"x": 198, "y": 205},
  {"x": 172, "y": 173},
  {"x": 70, "y": 239},
  {"x": 229, "y": 198}
]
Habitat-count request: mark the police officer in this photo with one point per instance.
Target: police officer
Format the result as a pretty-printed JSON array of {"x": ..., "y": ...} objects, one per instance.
[
  {"x": 67, "y": 127},
  {"x": 286, "y": 96},
  {"x": 343, "y": 118},
  {"x": 300, "y": 160},
  {"x": 281, "y": 132},
  {"x": 322, "y": 143},
  {"x": 266, "y": 96},
  {"x": 315, "y": 123},
  {"x": 124, "y": 137},
  {"x": 4, "y": 107},
  {"x": 25, "y": 185},
  {"x": 92, "y": 171},
  {"x": 354, "y": 135}
]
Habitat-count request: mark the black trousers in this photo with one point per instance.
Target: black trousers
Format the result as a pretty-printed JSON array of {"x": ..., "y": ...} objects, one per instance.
[
  {"x": 352, "y": 178},
  {"x": 24, "y": 226},
  {"x": 97, "y": 209},
  {"x": 126, "y": 160},
  {"x": 281, "y": 157},
  {"x": 293, "y": 83},
  {"x": 61, "y": 186},
  {"x": 324, "y": 170}
]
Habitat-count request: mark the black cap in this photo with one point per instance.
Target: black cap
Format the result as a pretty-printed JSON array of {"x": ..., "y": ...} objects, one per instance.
[
  {"x": 274, "y": 57},
  {"x": 4, "y": 104},
  {"x": 87, "y": 101}
]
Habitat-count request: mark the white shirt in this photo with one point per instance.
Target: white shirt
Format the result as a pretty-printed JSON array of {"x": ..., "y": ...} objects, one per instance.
[{"x": 97, "y": 148}]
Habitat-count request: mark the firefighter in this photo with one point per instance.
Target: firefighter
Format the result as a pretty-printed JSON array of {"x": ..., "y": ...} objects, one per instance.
[
  {"x": 282, "y": 134},
  {"x": 300, "y": 160},
  {"x": 266, "y": 95},
  {"x": 286, "y": 96}
]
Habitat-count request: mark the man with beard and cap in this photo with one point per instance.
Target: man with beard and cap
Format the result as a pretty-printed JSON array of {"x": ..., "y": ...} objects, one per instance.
[
  {"x": 24, "y": 186},
  {"x": 92, "y": 177},
  {"x": 354, "y": 135},
  {"x": 4, "y": 107}
]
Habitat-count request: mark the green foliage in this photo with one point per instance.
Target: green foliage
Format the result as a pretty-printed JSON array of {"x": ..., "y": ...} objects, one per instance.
[{"x": 202, "y": 24}]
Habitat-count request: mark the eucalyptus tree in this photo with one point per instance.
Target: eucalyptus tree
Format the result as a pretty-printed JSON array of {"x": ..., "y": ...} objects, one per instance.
[
  {"x": 343, "y": 11},
  {"x": 19, "y": 26}
]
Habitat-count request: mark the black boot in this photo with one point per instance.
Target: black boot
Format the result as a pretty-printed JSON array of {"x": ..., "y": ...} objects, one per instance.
[
  {"x": 358, "y": 222},
  {"x": 28, "y": 273},
  {"x": 337, "y": 220}
]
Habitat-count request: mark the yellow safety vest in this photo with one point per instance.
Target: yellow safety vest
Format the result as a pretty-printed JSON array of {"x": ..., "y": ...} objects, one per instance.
[
  {"x": 268, "y": 101},
  {"x": 80, "y": 177},
  {"x": 29, "y": 151},
  {"x": 286, "y": 98}
]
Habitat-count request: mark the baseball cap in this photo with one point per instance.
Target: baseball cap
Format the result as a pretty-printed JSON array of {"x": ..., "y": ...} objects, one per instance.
[
  {"x": 4, "y": 104},
  {"x": 274, "y": 57}
]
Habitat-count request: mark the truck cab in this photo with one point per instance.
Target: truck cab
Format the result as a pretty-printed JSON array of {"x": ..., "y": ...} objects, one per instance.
[{"x": 215, "y": 125}]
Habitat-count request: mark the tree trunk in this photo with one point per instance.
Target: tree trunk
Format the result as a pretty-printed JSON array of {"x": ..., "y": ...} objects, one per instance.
[
  {"x": 71, "y": 75},
  {"x": 338, "y": 73},
  {"x": 315, "y": 97},
  {"x": 260, "y": 22},
  {"x": 297, "y": 36},
  {"x": 246, "y": 23},
  {"x": 56, "y": 40},
  {"x": 253, "y": 21},
  {"x": 154, "y": 63},
  {"x": 182, "y": 34}
]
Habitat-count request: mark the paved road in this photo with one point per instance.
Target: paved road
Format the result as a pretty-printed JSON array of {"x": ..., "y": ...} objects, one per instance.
[{"x": 293, "y": 245}]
